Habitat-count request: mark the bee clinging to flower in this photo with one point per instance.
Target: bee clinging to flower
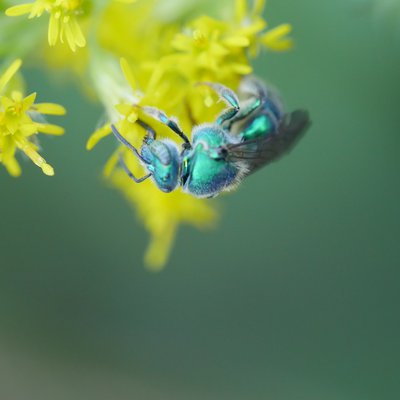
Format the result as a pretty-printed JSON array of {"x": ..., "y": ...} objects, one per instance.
[{"x": 245, "y": 137}]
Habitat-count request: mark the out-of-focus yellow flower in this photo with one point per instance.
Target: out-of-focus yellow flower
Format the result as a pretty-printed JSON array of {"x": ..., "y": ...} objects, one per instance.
[
  {"x": 18, "y": 127},
  {"x": 64, "y": 16},
  {"x": 250, "y": 24},
  {"x": 162, "y": 214},
  {"x": 164, "y": 73},
  {"x": 277, "y": 38},
  {"x": 166, "y": 48},
  {"x": 63, "y": 23},
  {"x": 210, "y": 48}
]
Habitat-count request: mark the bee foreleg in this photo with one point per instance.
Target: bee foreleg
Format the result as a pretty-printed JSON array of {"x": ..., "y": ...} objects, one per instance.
[
  {"x": 162, "y": 117},
  {"x": 244, "y": 112},
  {"x": 229, "y": 97},
  {"x": 226, "y": 94},
  {"x": 150, "y": 132},
  {"x": 125, "y": 142},
  {"x": 129, "y": 173}
]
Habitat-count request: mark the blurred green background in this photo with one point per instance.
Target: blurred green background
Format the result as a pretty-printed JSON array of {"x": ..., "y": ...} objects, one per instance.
[{"x": 294, "y": 296}]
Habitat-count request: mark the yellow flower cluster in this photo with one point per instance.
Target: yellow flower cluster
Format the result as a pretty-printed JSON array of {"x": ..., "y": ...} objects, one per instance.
[
  {"x": 164, "y": 56},
  {"x": 64, "y": 15},
  {"x": 18, "y": 127},
  {"x": 164, "y": 71}
]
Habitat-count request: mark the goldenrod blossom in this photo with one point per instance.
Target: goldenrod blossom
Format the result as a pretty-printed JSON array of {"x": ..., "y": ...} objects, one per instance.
[
  {"x": 166, "y": 49},
  {"x": 64, "y": 15},
  {"x": 63, "y": 23},
  {"x": 18, "y": 127},
  {"x": 164, "y": 73}
]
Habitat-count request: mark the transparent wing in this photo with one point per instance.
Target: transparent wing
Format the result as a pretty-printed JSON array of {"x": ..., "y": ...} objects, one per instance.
[{"x": 261, "y": 151}]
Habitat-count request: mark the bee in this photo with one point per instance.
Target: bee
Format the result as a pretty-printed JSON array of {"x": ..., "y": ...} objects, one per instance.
[{"x": 246, "y": 136}]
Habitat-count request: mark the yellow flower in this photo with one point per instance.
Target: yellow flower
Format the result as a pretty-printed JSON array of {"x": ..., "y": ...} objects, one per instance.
[
  {"x": 165, "y": 54},
  {"x": 63, "y": 24},
  {"x": 249, "y": 23},
  {"x": 276, "y": 39},
  {"x": 163, "y": 72},
  {"x": 18, "y": 127},
  {"x": 161, "y": 213},
  {"x": 64, "y": 15},
  {"x": 219, "y": 50}
]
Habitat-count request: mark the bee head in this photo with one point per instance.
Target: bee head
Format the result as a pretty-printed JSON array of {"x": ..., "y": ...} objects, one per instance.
[{"x": 164, "y": 164}]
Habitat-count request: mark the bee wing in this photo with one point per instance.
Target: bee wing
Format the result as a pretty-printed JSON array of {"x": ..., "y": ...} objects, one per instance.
[{"x": 261, "y": 151}]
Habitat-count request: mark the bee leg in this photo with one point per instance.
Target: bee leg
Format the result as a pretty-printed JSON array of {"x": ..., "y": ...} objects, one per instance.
[
  {"x": 252, "y": 87},
  {"x": 129, "y": 173},
  {"x": 244, "y": 112},
  {"x": 150, "y": 132},
  {"x": 229, "y": 97},
  {"x": 224, "y": 93},
  {"x": 125, "y": 142},
  {"x": 173, "y": 125},
  {"x": 227, "y": 115}
]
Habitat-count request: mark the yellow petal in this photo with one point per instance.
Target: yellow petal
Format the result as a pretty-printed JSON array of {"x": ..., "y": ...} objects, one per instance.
[
  {"x": 159, "y": 248},
  {"x": 218, "y": 50},
  {"x": 181, "y": 42},
  {"x": 240, "y": 10},
  {"x": 257, "y": 25},
  {"x": 111, "y": 163},
  {"x": 21, "y": 9},
  {"x": 27, "y": 129},
  {"x": 281, "y": 45},
  {"x": 77, "y": 34},
  {"x": 68, "y": 34},
  {"x": 128, "y": 73},
  {"x": 236, "y": 41},
  {"x": 12, "y": 167},
  {"x": 125, "y": 109},
  {"x": 258, "y": 7},
  {"x": 9, "y": 73},
  {"x": 99, "y": 134},
  {"x": 275, "y": 38},
  {"x": 154, "y": 81},
  {"x": 49, "y": 108},
  {"x": 54, "y": 28},
  {"x": 6, "y": 102},
  {"x": 50, "y": 129},
  {"x": 242, "y": 69},
  {"x": 8, "y": 157},
  {"x": 28, "y": 101},
  {"x": 37, "y": 9}
]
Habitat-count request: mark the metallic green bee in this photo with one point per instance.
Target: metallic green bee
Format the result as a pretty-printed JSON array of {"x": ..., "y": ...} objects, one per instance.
[{"x": 244, "y": 138}]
